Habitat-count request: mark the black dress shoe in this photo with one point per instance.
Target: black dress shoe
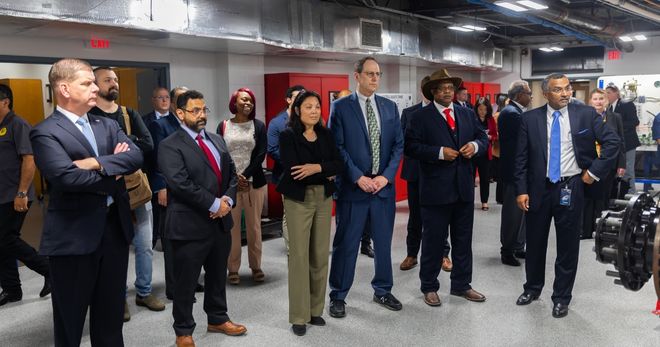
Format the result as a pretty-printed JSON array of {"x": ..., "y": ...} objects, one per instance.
[
  {"x": 199, "y": 288},
  {"x": 526, "y": 298},
  {"x": 509, "y": 259},
  {"x": 318, "y": 321},
  {"x": 46, "y": 289},
  {"x": 559, "y": 310},
  {"x": 367, "y": 250},
  {"x": 520, "y": 254},
  {"x": 299, "y": 329},
  {"x": 7, "y": 297},
  {"x": 337, "y": 308},
  {"x": 389, "y": 302}
]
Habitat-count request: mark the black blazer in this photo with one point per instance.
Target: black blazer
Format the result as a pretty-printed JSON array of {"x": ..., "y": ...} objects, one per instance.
[
  {"x": 616, "y": 124},
  {"x": 587, "y": 127},
  {"x": 293, "y": 152},
  {"x": 628, "y": 113},
  {"x": 410, "y": 166},
  {"x": 193, "y": 186},
  {"x": 257, "y": 156},
  {"x": 442, "y": 181},
  {"x": 508, "y": 124},
  {"x": 77, "y": 209}
]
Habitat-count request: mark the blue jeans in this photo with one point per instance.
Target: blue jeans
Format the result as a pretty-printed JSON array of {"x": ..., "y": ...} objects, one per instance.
[{"x": 143, "y": 252}]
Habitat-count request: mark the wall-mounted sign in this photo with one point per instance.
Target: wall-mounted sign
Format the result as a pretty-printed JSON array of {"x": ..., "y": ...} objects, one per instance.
[
  {"x": 96, "y": 43},
  {"x": 613, "y": 55}
]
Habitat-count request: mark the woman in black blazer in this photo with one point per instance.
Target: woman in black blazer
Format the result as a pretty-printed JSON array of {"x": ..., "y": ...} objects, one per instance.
[
  {"x": 310, "y": 160},
  {"x": 246, "y": 140},
  {"x": 594, "y": 207}
]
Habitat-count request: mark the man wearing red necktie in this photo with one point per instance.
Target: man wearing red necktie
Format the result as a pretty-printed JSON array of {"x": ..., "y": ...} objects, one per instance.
[
  {"x": 444, "y": 137},
  {"x": 201, "y": 182}
]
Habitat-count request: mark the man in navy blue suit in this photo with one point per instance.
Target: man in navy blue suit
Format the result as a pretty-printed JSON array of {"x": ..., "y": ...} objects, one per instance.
[
  {"x": 368, "y": 134},
  {"x": 88, "y": 227},
  {"x": 556, "y": 164},
  {"x": 444, "y": 137},
  {"x": 410, "y": 173}
]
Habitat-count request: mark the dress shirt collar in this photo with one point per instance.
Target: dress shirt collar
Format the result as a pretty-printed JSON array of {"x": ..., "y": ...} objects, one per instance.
[
  {"x": 192, "y": 133},
  {"x": 425, "y": 103},
  {"x": 521, "y": 107},
  {"x": 563, "y": 110},
  {"x": 161, "y": 115},
  {"x": 72, "y": 116},
  {"x": 363, "y": 98},
  {"x": 442, "y": 108}
]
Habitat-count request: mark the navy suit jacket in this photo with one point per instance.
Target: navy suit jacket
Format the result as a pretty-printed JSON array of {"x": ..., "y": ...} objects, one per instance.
[
  {"x": 630, "y": 121},
  {"x": 587, "y": 127},
  {"x": 349, "y": 128},
  {"x": 508, "y": 124},
  {"x": 441, "y": 181},
  {"x": 160, "y": 129},
  {"x": 77, "y": 209},
  {"x": 410, "y": 166},
  {"x": 193, "y": 186}
]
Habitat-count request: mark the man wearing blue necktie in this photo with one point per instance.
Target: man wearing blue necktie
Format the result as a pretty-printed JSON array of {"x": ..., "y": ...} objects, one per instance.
[{"x": 556, "y": 165}]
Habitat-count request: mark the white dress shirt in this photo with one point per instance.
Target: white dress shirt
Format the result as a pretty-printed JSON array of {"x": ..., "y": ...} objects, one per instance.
[
  {"x": 74, "y": 118},
  {"x": 521, "y": 107},
  {"x": 363, "y": 106},
  {"x": 441, "y": 109},
  {"x": 568, "y": 162}
]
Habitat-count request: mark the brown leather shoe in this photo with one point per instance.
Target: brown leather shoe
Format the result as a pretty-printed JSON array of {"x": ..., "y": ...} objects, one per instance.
[
  {"x": 258, "y": 275},
  {"x": 408, "y": 263},
  {"x": 185, "y": 341},
  {"x": 446, "y": 264},
  {"x": 233, "y": 278},
  {"x": 470, "y": 294},
  {"x": 432, "y": 299},
  {"x": 227, "y": 328}
]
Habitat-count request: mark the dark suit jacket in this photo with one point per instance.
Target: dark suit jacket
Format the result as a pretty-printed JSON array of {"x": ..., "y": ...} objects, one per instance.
[
  {"x": 349, "y": 128},
  {"x": 616, "y": 124},
  {"x": 150, "y": 159},
  {"x": 193, "y": 187},
  {"x": 410, "y": 166},
  {"x": 532, "y": 151},
  {"x": 292, "y": 152},
  {"x": 257, "y": 156},
  {"x": 160, "y": 130},
  {"x": 508, "y": 124},
  {"x": 628, "y": 113},
  {"x": 76, "y": 216},
  {"x": 442, "y": 181},
  {"x": 467, "y": 105}
]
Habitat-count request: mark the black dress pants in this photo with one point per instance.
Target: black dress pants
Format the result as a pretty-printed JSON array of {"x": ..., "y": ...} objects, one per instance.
[
  {"x": 189, "y": 258},
  {"x": 12, "y": 247},
  {"x": 96, "y": 281},
  {"x": 512, "y": 222},
  {"x": 414, "y": 237},
  {"x": 567, "y": 226},
  {"x": 482, "y": 164}
]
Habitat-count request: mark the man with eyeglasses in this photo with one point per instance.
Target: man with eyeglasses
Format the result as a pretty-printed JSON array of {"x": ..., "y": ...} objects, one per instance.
[
  {"x": 106, "y": 106},
  {"x": 555, "y": 165},
  {"x": 512, "y": 227},
  {"x": 201, "y": 181},
  {"x": 368, "y": 134}
]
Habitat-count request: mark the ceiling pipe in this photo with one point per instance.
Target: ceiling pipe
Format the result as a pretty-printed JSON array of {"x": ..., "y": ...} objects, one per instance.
[{"x": 633, "y": 9}]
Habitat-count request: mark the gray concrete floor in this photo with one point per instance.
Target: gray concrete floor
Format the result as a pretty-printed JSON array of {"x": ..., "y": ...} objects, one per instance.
[{"x": 601, "y": 314}]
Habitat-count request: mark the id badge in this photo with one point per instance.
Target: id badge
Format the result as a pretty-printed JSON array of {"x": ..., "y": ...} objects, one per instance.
[{"x": 565, "y": 197}]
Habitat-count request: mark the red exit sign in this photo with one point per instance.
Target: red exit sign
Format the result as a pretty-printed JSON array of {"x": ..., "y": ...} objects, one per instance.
[
  {"x": 613, "y": 55},
  {"x": 97, "y": 43}
]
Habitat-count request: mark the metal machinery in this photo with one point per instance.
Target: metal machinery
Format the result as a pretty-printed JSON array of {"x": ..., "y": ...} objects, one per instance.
[{"x": 629, "y": 238}]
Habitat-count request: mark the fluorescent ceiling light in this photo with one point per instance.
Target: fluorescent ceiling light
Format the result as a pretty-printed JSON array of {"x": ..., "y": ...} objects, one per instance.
[
  {"x": 546, "y": 49},
  {"x": 556, "y": 49},
  {"x": 510, "y": 6},
  {"x": 533, "y": 5},
  {"x": 459, "y": 29},
  {"x": 625, "y": 38},
  {"x": 640, "y": 37},
  {"x": 472, "y": 27}
]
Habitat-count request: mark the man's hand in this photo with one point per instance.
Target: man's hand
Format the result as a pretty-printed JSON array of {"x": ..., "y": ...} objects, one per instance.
[
  {"x": 301, "y": 171},
  {"x": 586, "y": 178},
  {"x": 620, "y": 172},
  {"x": 122, "y": 147},
  {"x": 366, "y": 184},
  {"x": 243, "y": 183},
  {"x": 87, "y": 164},
  {"x": 523, "y": 202},
  {"x": 380, "y": 182},
  {"x": 449, "y": 154},
  {"x": 467, "y": 151},
  {"x": 20, "y": 204},
  {"x": 224, "y": 209},
  {"x": 162, "y": 197}
]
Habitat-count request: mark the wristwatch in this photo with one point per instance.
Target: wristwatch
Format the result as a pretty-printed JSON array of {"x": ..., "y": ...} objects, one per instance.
[{"x": 21, "y": 195}]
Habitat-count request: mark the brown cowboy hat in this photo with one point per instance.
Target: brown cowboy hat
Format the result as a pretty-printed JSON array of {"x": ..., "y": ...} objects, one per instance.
[{"x": 440, "y": 76}]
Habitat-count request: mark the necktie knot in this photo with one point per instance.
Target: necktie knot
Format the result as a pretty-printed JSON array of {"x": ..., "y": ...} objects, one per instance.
[
  {"x": 449, "y": 118},
  {"x": 199, "y": 137},
  {"x": 556, "y": 114},
  {"x": 81, "y": 121}
]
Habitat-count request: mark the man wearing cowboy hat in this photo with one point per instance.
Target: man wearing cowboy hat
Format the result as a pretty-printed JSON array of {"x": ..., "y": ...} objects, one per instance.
[{"x": 444, "y": 138}]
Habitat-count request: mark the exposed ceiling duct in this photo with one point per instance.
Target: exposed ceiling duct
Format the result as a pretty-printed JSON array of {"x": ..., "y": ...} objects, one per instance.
[{"x": 647, "y": 9}]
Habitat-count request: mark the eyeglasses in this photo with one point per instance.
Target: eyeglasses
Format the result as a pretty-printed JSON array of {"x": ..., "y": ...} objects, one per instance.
[
  {"x": 372, "y": 74},
  {"x": 197, "y": 111},
  {"x": 558, "y": 90},
  {"x": 162, "y": 98},
  {"x": 448, "y": 87}
]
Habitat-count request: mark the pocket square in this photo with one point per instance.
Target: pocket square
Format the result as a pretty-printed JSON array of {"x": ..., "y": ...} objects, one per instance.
[{"x": 583, "y": 131}]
